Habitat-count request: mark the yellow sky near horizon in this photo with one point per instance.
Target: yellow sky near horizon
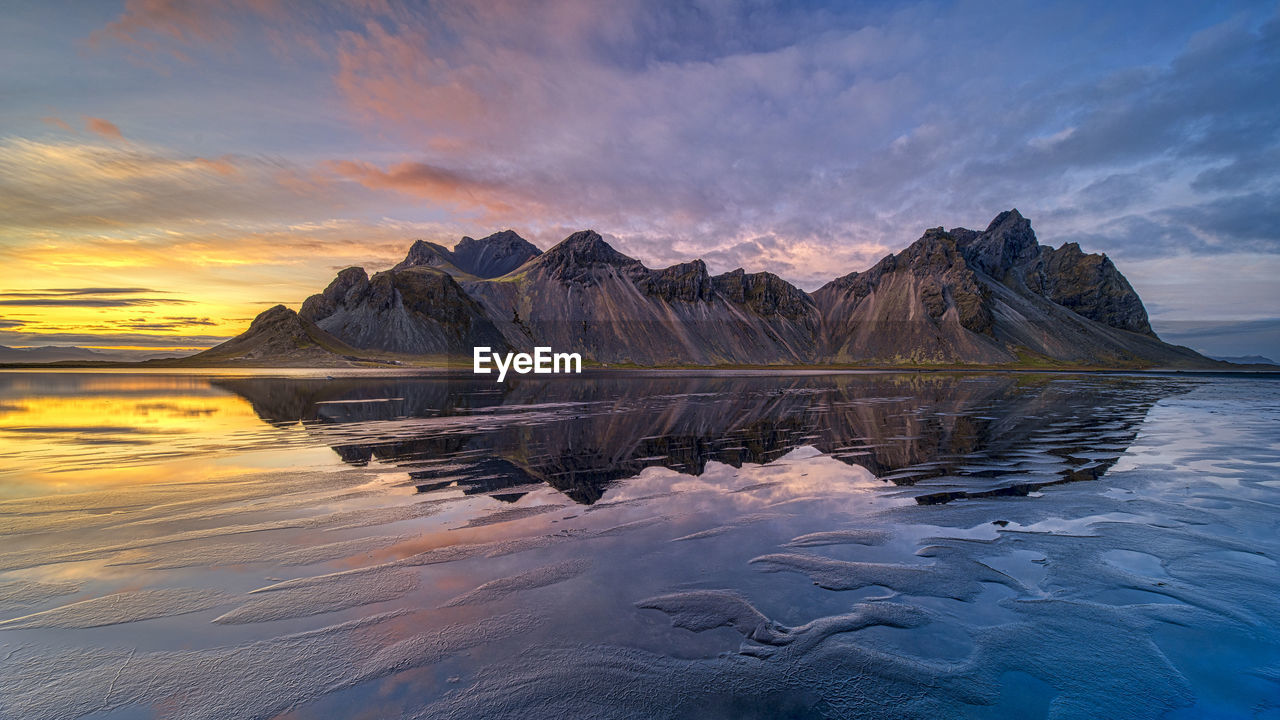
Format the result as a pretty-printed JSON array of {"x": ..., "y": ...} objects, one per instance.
[
  {"x": 124, "y": 245},
  {"x": 138, "y": 298}
]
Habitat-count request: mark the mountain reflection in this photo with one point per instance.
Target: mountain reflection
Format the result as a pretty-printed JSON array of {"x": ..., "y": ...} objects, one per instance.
[{"x": 945, "y": 436}]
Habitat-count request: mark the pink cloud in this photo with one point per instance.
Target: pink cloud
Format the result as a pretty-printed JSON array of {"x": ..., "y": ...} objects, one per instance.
[
  {"x": 57, "y": 122},
  {"x": 430, "y": 182},
  {"x": 150, "y": 24},
  {"x": 393, "y": 76},
  {"x": 220, "y": 165},
  {"x": 105, "y": 128}
]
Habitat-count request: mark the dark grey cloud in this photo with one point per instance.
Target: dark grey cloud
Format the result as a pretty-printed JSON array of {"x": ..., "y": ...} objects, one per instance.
[
  {"x": 56, "y": 292},
  {"x": 86, "y": 297},
  {"x": 166, "y": 324},
  {"x": 1232, "y": 224},
  {"x": 1225, "y": 338},
  {"x": 1249, "y": 223},
  {"x": 1115, "y": 193},
  {"x": 88, "y": 302},
  {"x": 1250, "y": 170}
]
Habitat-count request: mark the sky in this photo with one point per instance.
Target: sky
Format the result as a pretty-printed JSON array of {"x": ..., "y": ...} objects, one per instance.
[{"x": 170, "y": 168}]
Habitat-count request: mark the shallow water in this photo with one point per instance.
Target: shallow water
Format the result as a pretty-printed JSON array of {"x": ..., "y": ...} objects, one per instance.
[{"x": 639, "y": 545}]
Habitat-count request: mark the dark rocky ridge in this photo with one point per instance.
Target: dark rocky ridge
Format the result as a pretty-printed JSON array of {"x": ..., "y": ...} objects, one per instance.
[
  {"x": 953, "y": 297},
  {"x": 1087, "y": 284},
  {"x": 489, "y": 257},
  {"x": 991, "y": 297},
  {"x": 412, "y": 311},
  {"x": 279, "y": 336},
  {"x": 583, "y": 295}
]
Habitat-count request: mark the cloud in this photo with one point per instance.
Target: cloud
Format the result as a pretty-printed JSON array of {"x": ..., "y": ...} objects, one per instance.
[
  {"x": 55, "y": 292},
  {"x": 1226, "y": 338},
  {"x": 159, "y": 326},
  {"x": 803, "y": 139},
  {"x": 89, "y": 302},
  {"x": 106, "y": 187},
  {"x": 224, "y": 165},
  {"x": 440, "y": 185},
  {"x": 169, "y": 324},
  {"x": 105, "y": 128},
  {"x": 106, "y": 297},
  {"x": 58, "y": 123},
  {"x": 1234, "y": 223},
  {"x": 1226, "y": 225},
  {"x": 167, "y": 25},
  {"x": 1191, "y": 330},
  {"x": 862, "y": 131}
]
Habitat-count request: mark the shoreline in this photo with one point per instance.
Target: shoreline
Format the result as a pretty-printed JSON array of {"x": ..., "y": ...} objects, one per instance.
[{"x": 743, "y": 370}]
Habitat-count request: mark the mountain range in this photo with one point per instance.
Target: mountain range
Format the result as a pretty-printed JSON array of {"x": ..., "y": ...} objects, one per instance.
[
  {"x": 995, "y": 297},
  {"x": 76, "y": 354}
]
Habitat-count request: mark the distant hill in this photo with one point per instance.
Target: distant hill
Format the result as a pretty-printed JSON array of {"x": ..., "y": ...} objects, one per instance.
[
  {"x": 280, "y": 337},
  {"x": 71, "y": 353},
  {"x": 1245, "y": 359},
  {"x": 955, "y": 297}
]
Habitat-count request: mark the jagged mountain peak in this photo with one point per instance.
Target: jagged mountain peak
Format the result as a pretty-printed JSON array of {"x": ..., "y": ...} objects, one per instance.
[
  {"x": 1007, "y": 241},
  {"x": 584, "y": 240},
  {"x": 494, "y": 255},
  {"x": 1009, "y": 219},
  {"x": 425, "y": 253},
  {"x": 489, "y": 257},
  {"x": 278, "y": 317},
  {"x": 583, "y": 249},
  {"x": 502, "y": 238},
  {"x": 279, "y": 335},
  {"x": 764, "y": 293},
  {"x": 686, "y": 281},
  {"x": 352, "y": 280}
]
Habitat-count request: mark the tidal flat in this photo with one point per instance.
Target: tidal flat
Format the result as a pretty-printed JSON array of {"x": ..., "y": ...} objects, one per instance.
[{"x": 639, "y": 544}]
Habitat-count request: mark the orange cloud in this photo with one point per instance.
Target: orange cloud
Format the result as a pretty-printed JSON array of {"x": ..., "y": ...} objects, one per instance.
[
  {"x": 57, "y": 122},
  {"x": 220, "y": 165},
  {"x": 394, "y": 76},
  {"x": 147, "y": 23},
  {"x": 431, "y": 182},
  {"x": 105, "y": 128}
]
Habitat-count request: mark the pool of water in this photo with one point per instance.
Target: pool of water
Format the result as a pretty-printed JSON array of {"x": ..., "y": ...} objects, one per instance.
[{"x": 638, "y": 544}]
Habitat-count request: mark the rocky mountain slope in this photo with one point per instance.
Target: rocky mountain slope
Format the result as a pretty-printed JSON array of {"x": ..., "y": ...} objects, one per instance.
[
  {"x": 953, "y": 297},
  {"x": 990, "y": 297},
  {"x": 416, "y": 310},
  {"x": 489, "y": 257},
  {"x": 584, "y": 296},
  {"x": 279, "y": 336}
]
